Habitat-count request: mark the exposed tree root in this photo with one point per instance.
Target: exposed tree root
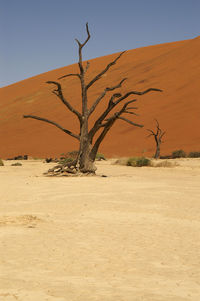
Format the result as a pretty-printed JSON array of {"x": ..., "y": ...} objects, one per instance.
[{"x": 67, "y": 169}]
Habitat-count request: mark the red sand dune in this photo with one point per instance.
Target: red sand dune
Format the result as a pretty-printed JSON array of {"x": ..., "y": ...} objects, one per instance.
[{"x": 172, "y": 67}]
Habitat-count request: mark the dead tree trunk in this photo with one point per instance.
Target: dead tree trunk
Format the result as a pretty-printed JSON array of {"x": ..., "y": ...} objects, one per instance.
[
  {"x": 158, "y": 135},
  {"x": 90, "y": 139}
]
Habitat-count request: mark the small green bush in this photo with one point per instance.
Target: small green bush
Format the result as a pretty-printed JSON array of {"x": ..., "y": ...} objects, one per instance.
[
  {"x": 178, "y": 154},
  {"x": 100, "y": 157},
  {"x": 138, "y": 162},
  {"x": 73, "y": 154},
  {"x": 68, "y": 157},
  {"x": 65, "y": 160},
  {"x": 194, "y": 155},
  {"x": 1, "y": 162}
]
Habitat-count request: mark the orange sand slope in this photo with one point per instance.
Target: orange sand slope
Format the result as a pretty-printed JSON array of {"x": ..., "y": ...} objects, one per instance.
[{"x": 172, "y": 67}]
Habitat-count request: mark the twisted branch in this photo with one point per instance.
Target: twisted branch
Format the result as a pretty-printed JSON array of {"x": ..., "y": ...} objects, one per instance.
[
  {"x": 113, "y": 103},
  {"x": 87, "y": 67},
  {"x": 81, "y": 45},
  {"x": 98, "y": 76},
  {"x": 117, "y": 115},
  {"x": 58, "y": 92},
  {"x": 88, "y": 37},
  {"x": 138, "y": 93},
  {"x": 131, "y": 122},
  {"x": 132, "y": 113},
  {"x": 158, "y": 134},
  {"x": 53, "y": 123},
  {"x": 109, "y": 123},
  {"x": 70, "y": 74},
  {"x": 93, "y": 107}
]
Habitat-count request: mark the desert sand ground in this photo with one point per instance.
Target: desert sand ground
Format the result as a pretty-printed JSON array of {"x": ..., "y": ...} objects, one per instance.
[{"x": 131, "y": 236}]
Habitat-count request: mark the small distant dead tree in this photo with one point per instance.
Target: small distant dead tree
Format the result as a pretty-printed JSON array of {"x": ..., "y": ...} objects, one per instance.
[
  {"x": 158, "y": 135},
  {"x": 90, "y": 138}
]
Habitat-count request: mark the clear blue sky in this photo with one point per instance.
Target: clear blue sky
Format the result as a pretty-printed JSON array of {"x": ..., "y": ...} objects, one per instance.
[{"x": 38, "y": 35}]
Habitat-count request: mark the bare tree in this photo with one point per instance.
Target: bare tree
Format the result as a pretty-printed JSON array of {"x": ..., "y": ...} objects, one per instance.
[
  {"x": 91, "y": 138},
  {"x": 158, "y": 135}
]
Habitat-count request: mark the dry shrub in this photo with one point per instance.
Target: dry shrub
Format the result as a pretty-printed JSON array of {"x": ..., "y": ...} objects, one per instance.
[
  {"x": 121, "y": 161},
  {"x": 164, "y": 163},
  {"x": 1, "y": 162},
  {"x": 178, "y": 154},
  {"x": 16, "y": 164},
  {"x": 100, "y": 157},
  {"x": 68, "y": 157},
  {"x": 133, "y": 161},
  {"x": 194, "y": 155},
  {"x": 138, "y": 162}
]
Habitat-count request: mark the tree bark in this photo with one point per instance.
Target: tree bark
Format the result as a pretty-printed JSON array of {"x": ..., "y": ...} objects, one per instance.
[
  {"x": 84, "y": 162},
  {"x": 157, "y": 153}
]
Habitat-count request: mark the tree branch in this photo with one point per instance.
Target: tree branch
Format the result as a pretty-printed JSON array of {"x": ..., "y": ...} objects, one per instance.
[
  {"x": 131, "y": 122},
  {"x": 158, "y": 134},
  {"x": 82, "y": 74},
  {"x": 101, "y": 137},
  {"x": 110, "y": 121},
  {"x": 58, "y": 92},
  {"x": 137, "y": 93},
  {"x": 81, "y": 45},
  {"x": 93, "y": 107},
  {"x": 127, "y": 103},
  {"x": 87, "y": 67},
  {"x": 112, "y": 104},
  {"x": 162, "y": 135},
  {"x": 98, "y": 124},
  {"x": 70, "y": 74},
  {"x": 98, "y": 76},
  {"x": 117, "y": 115},
  {"x": 53, "y": 123},
  {"x": 132, "y": 113},
  {"x": 88, "y": 37},
  {"x": 152, "y": 133}
]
